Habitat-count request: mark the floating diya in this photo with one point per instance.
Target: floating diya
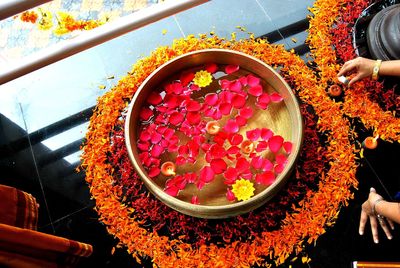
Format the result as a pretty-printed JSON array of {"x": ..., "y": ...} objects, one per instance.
[
  {"x": 335, "y": 90},
  {"x": 370, "y": 142},
  {"x": 222, "y": 117}
]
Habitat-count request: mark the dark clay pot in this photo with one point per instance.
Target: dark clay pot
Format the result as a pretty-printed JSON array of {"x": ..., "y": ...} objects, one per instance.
[{"x": 383, "y": 34}]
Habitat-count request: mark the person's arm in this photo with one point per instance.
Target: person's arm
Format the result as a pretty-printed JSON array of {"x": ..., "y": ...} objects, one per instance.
[
  {"x": 390, "y": 210},
  {"x": 391, "y": 68}
]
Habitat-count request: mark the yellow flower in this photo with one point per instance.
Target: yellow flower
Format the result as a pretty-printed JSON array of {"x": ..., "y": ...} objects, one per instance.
[
  {"x": 202, "y": 78},
  {"x": 46, "y": 22},
  {"x": 243, "y": 189}
]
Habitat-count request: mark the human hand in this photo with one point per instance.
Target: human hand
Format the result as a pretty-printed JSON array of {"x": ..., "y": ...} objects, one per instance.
[
  {"x": 368, "y": 213},
  {"x": 362, "y": 68}
]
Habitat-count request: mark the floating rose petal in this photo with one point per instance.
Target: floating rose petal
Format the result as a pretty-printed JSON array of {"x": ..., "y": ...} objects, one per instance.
[
  {"x": 176, "y": 118},
  {"x": 224, "y": 83},
  {"x": 226, "y": 96},
  {"x": 156, "y": 137},
  {"x": 235, "y": 86},
  {"x": 206, "y": 174},
  {"x": 238, "y": 101},
  {"x": 235, "y": 139},
  {"x": 186, "y": 78},
  {"x": 217, "y": 115},
  {"x": 193, "y": 106},
  {"x": 247, "y": 174},
  {"x": 143, "y": 145},
  {"x": 205, "y": 146},
  {"x": 261, "y": 146},
  {"x": 194, "y": 87},
  {"x": 209, "y": 112},
  {"x": 287, "y": 145},
  {"x": 225, "y": 108},
  {"x": 168, "y": 133},
  {"x": 183, "y": 149},
  {"x": 180, "y": 160},
  {"x": 266, "y": 178},
  {"x": 266, "y": 133},
  {"x": 243, "y": 80},
  {"x": 231, "y": 68},
  {"x": 254, "y": 134},
  {"x": 162, "y": 109},
  {"x": 241, "y": 121},
  {"x": 154, "y": 98},
  {"x": 256, "y": 90},
  {"x": 257, "y": 162},
  {"x": 180, "y": 182},
  {"x": 200, "y": 184},
  {"x": 246, "y": 112},
  {"x": 174, "y": 139},
  {"x": 242, "y": 164},
  {"x": 211, "y": 99},
  {"x": 144, "y": 135},
  {"x": 281, "y": 159},
  {"x": 195, "y": 200},
  {"x": 157, "y": 150},
  {"x": 263, "y": 100},
  {"x": 275, "y": 143},
  {"x": 193, "y": 118},
  {"x": 220, "y": 138},
  {"x": 172, "y": 190},
  {"x": 275, "y": 97},
  {"x": 153, "y": 172},
  {"x": 211, "y": 67},
  {"x": 145, "y": 114},
  {"x": 230, "y": 195},
  {"x": 218, "y": 165},
  {"x": 279, "y": 168},
  {"x": 233, "y": 150},
  {"x": 175, "y": 87},
  {"x": 253, "y": 80},
  {"x": 247, "y": 146},
  {"x": 212, "y": 127},
  {"x": 230, "y": 175},
  {"x": 190, "y": 177},
  {"x": 217, "y": 151},
  {"x": 171, "y": 101},
  {"x": 231, "y": 126},
  {"x": 172, "y": 147},
  {"x": 168, "y": 168},
  {"x": 267, "y": 165}
]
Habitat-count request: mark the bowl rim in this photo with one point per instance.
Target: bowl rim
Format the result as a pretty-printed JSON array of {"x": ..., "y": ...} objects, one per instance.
[{"x": 178, "y": 204}]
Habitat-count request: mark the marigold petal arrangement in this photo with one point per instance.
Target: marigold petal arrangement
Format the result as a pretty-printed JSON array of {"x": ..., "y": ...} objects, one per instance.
[{"x": 281, "y": 228}]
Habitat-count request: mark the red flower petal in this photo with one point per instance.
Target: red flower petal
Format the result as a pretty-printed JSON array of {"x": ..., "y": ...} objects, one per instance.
[
  {"x": 172, "y": 190},
  {"x": 267, "y": 165},
  {"x": 257, "y": 162},
  {"x": 243, "y": 80},
  {"x": 241, "y": 121},
  {"x": 231, "y": 126},
  {"x": 144, "y": 135},
  {"x": 226, "y": 96},
  {"x": 206, "y": 174},
  {"x": 195, "y": 200},
  {"x": 145, "y": 114},
  {"x": 238, "y": 101},
  {"x": 190, "y": 177},
  {"x": 256, "y": 90},
  {"x": 287, "y": 145},
  {"x": 200, "y": 184},
  {"x": 247, "y": 175},
  {"x": 176, "y": 118},
  {"x": 253, "y": 80},
  {"x": 175, "y": 88},
  {"x": 168, "y": 133},
  {"x": 275, "y": 97},
  {"x": 186, "y": 78},
  {"x": 157, "y": 150},
  {"x": 205, "y": 146},
  {"x": 143, "y": 145},
  {"x": 254, "y": 134},
  {"x": 242, "y": 164},
  {"x": 193, "y": 118},
  {"x": 217, "y": 151},
  {"x": 217, "y": 115},
  {"x": 231, "y": 68},
  {"x": 235, "y": 86},
  {"x": 279, "y": 168},
  {"x": 263, "y": 100},
  {"x": 266, "y": 178},
  {"x": 229, "y": 195},
  {"x": 275, "y": 143},
  {"x": 193, "y": 106},
  {"x": 156, "y": 137},
  {"x": 180, "y": 182},
  {"x": 154, "y": 98},
  {"x": 281, "y": 159},
  {"x": 233, "y": 150},
  {"x": 225, "y": 108},
  {"x": 211, "y": 99},
  {"x": 183, "y": 149},
  {"x": 261, "y": 146},
  {"x": 171, "y": 101},
  {"x": 211, "y": 67},
  {"x": 235, "y": 139},
  {"x": 224, "y": 83},
  {"x": 230, "y": 175},
  {"x": 180, "y": 160},
  {"x": 266, "y": 133},
  {"x": 218, "y": 165},
  {"x": 246, "y": 112},
  {"x": 153, "y": 172}
]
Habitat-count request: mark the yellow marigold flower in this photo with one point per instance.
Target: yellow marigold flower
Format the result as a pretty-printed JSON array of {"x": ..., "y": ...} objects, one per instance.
[
  {"x": 46, "y": 21},
  {"x": 243, "y": 189},
  {"x": 202, "y": 78}
]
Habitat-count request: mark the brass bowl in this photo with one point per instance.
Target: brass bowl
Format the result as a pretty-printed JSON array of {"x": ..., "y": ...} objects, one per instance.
[{"x": 283, "y": 118}]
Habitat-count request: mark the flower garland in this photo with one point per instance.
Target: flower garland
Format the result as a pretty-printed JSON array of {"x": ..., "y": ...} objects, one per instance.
[{"x": 307, "y": 219}]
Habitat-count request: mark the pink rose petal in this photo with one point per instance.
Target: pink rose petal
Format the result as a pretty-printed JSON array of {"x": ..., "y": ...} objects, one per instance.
[
  {"x": 241, "y": 121},
  {"x": 143, "y": 145},
  {"x": 200, "y": 184},
  {"x": 172, "y": 190},
  {"x": 193, "y": 106},
  {"x": 266, "y": 133},
  {"x": 218, "y": 165},
  {"x": 246, "y": 112},
  {"x": 253, "y": 80},
  {"x": 190, "y": 177},
  {"x": 233, "y": 150},
  {"x": 175, "y": 88},
  {"x": 287, "y": 145},
  {"x": 211, "y": 99},
  {"x": 247, "y": 175},
  {"x": 256, "y": 90},
  {"x": 263, "y": 100},
  {"x": 261, "y": 146},
  {"x": 235, "y": 86},
  {"x": 235, "y": 139},
  {"x": 230, "y": 175},
  {"x": 257, "y": 162},
  {"x": 275, "y": 97},
  {"x": 180, "y": 160},
  {"x": 217, "y": 115},
  {"x": 242, "y": 164},
  {"x": 145, "y": 114},
  {"x": 254, "y": 134},
  {"x": 267, "y": 165},
  {"x": 157, "y": 150},
  {"x": 144, "y": 135},
  {"x": 153, "y": 172},
  {"x": 168, "y": 133},
  {"x": 279, "y": 168},
  {"x": 154, "y": 98},
  {"x": 225, "y": 108},
  {"x": 281, "y": 159},
  {"x": 195, "y": 200},
  {"x": 243, "y": 80},
  {"x": 231, "y": 68},
  {"x": 226, "y": 96},
  {"x": 224, "y": 83},
  {"x": 180, "y": 182},
  {"x": 211, "y": 67},
  {"x": 206, "y": 174},
  {"x": 176, "y": 118},
  {"x": 238, "y": 101},
  {"x": 217, "y": 151},
  {"x": 186, "y": 78},
  {"x": 156, "y": 137},
  {"x": 171, "y": 101},
  {"x": 229, "y": 195},
  {"x": 193, "y": 118},
  {"x": 266, "y": 178},
  {"x": 231, "y": 126},
  {"x": 275, "y": 143}
]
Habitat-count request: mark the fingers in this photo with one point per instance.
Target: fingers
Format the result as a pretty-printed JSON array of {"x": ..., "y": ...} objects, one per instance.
[
  {"x": 385, "y": 227},
  {"x": 372, "y": 190},
  {"x": 363, "y": 221},
  {"x": 355, "y": 79},
  {"x": 391, "y": 224},
  {"x": 347, "y": 67},
  {"x": 374, "y": 229}
]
